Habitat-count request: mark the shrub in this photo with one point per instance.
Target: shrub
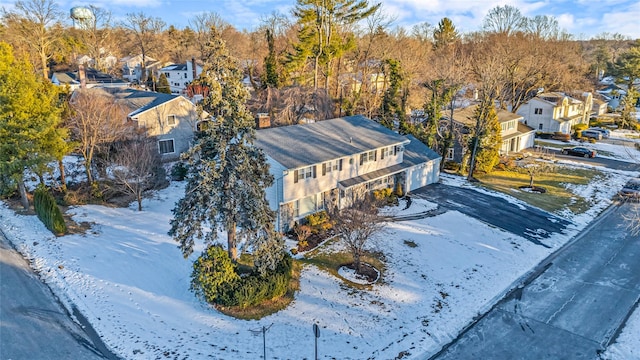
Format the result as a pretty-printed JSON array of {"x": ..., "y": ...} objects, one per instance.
[
  {"x": 179, "y": 171},
  {"x": 385, "y": 197},
  {"x": 319, "y": 222},
  {"x": 452, "y": 165},
  {"x": 48, "y": 211},
  {"x": 254, "y": 289},
  {"x": 580, "y": 127},
  {"x": 211, "y": 271}
]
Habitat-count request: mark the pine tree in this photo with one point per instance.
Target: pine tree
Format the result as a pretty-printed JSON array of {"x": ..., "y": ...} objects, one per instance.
[
  {"x": 445, "y": 34},
  {"x": 318, "y": 37},
  {"x": 29, "y": 120},
  {"x": 271, "y": 78},
  {"x": 163, "y": 85},
  {"x": 392, "y": 106},
  {"x": 485, "y": 140},
  {"x": 227, "y": 173}
]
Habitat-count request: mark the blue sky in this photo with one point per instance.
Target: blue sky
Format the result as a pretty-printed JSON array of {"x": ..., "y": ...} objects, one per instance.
[{"x": 582, "y": 18}]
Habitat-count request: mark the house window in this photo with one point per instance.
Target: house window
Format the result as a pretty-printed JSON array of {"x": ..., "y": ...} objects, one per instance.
[
  {"x": 296, "y": 208},
  {"x": 450, "y": 153},
  {"x": 171, "y": 120},
  {"x": 384, "y": 153},
  {"x": 537, "y": 111},
  {"x": 168, "y": 75},
  {"x": 368, "y": 156},
  {"x": 329, "y": 166},
  {"x": 539, "y": 126},
  {"x": 185, "y": 75},
  {"x": 166, "y": 146},
  {"x": 305, "y": 173}
]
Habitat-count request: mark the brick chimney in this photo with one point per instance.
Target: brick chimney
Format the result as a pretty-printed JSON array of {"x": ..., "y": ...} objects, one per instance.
[
  {"x": 263, "y": 121},
  {"x": 194, "y": 68},
  {"x": 83, "y": 76}
]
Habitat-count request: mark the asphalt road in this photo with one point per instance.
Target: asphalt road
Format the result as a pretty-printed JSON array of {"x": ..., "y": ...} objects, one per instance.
[
  {"x": 33, "y": 324},
  {"x": 571, "y": 308},
  {"x": 529, "y": 222},
  {"x": 599, "y": 161}
]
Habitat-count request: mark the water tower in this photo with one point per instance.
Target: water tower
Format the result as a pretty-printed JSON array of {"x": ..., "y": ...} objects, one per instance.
[{"x": 82, "y": 17}]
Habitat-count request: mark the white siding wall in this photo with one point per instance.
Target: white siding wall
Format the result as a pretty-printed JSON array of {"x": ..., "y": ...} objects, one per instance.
[
  {"x": 423, "y": 175},
  {"x": 527, "y": 141},
  {"x": 350, "y": 168},
  {"x": 274, "y": 192}
]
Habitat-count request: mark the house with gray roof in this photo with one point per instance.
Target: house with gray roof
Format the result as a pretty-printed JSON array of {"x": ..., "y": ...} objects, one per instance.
[
  {"x": 331, "y": 162},
  {"x": 181, "y": 75},
  {"x": 170, "y": 119},
  {"x": 93, "y": 78}
]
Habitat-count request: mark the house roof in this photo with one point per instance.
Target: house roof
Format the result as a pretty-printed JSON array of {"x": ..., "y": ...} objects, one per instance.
[
  {"x": 465, "y": 115},
  {"x": 555, "y": 98},
  {"x": 302, "y": 145},
  {"x": 132, "y": 61},
  {"x": 416, "y": 152},
  {"x": 521, "y": 130},
  {"x": 92, "y": 76},
  {"x": 175, "y": 67},
  {"x": 137, "y": 101}
]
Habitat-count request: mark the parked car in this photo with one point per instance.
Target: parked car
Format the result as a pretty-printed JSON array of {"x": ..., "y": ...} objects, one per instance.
[
  {"x": 591, "y": 134},
  {"x": 579, "y": 151},
  {"x": 605, "y": 133},
  {"x": 631, "y": 190}
]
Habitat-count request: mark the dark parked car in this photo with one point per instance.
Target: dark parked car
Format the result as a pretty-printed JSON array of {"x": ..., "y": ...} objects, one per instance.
[{"x": 579, "y": 151}]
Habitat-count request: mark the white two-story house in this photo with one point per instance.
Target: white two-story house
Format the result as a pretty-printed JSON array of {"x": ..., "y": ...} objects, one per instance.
[
  {"x": 331, "y": 162},
  {"x": 180, "y": 75},
  {"x": 554, "y": 112}
]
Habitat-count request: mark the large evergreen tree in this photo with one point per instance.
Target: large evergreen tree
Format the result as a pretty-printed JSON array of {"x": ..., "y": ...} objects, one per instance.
[
  {"x": 485, "y": 140},
  {"x": 392, "y": 106},
  {"x": 320, "y": 24},
  {"x": 29, "y": 120},
  {"x": 227, "y": 172},
  {"x": 627, "y": 67}
]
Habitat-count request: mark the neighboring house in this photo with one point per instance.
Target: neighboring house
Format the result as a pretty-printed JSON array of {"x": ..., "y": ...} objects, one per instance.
[
  {"x": 132, "y": 67},
  {"x": 180, "y": 75},
  {"x": 554, "y": 112},
  {"x": 516, "y": 136},
  {"x": 613, "y": 94},
  {"x": 93, "y": 78},
  {"x": 599, "y": 107},
  {"x": 331, "y": 162},
  {"x": 171, "y": 119}
]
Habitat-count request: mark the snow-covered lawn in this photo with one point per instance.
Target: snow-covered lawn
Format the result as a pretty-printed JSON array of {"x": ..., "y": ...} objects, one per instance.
[{"x": 130, "y": 280}]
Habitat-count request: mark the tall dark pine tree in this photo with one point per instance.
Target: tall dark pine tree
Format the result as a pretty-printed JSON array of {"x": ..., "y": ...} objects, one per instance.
[
  {"x": 392, "y": 105},
  {"x": 227, "y": 173}
]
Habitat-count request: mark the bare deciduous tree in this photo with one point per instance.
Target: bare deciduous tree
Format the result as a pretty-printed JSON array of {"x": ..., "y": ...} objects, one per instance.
[
  {"x": 96, "y": 122},
  {"x": 30, "y": 24},
  {"x": 533, "y": 168},
  {"x": 505, "y": 20},
  {"x": 356, "y": 225},
  {"x": 136, "y": 165},
  {"x": 145, "y": 30}
]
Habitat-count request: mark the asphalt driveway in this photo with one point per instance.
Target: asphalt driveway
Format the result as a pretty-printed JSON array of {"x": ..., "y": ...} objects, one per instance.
[{"x": 529, "y": 222}]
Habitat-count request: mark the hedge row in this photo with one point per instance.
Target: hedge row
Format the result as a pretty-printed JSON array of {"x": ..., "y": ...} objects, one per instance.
[{"x": 48, "y": 211}]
